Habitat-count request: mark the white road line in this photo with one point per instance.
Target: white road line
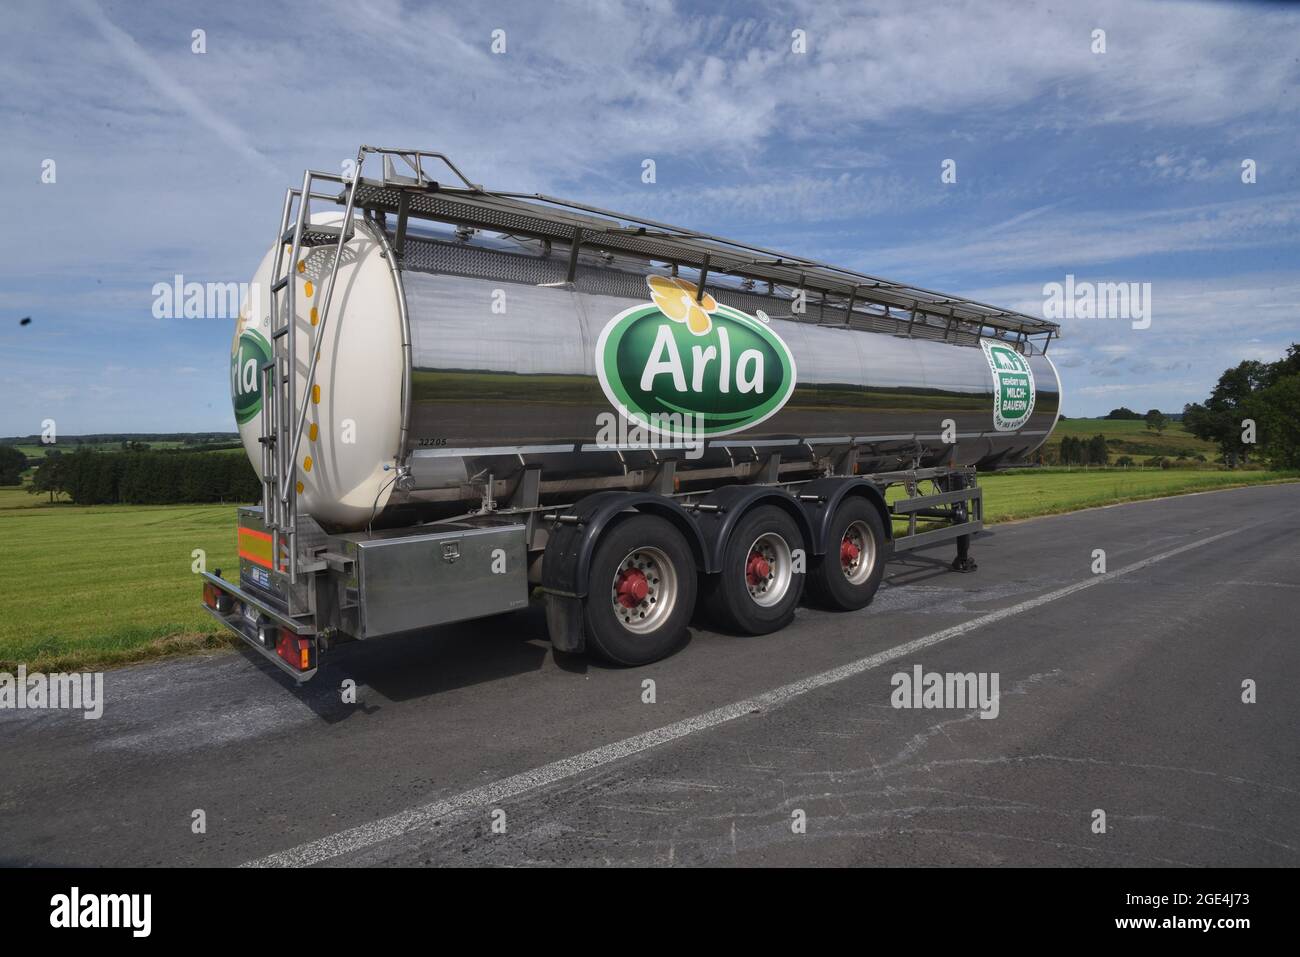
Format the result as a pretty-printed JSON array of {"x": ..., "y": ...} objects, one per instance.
[{"x": 423, "y": 817}]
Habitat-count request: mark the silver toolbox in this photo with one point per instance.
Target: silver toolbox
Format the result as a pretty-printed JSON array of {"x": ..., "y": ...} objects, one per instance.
[{"x": 408, "y": 579}]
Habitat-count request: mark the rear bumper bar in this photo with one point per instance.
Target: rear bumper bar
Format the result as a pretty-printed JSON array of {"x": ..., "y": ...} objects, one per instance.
[{"x": 253, "y": 620}]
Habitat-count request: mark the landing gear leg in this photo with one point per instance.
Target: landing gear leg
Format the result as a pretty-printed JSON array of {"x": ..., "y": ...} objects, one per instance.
[{"x": 963, "y": 562}]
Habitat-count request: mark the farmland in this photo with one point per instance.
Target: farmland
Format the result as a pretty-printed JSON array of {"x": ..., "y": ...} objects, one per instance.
[
  {"x": 1132, "y": 438},
  {"x": 35, "y": 450},
  {"x": 104, "y": 584}
]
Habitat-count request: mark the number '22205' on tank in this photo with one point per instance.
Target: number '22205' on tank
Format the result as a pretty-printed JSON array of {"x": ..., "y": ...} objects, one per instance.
[{"x": 453, "y": 396}]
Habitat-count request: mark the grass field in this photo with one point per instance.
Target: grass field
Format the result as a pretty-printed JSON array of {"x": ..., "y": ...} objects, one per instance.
[
  {"x": 107, "y": 584},
  {"x": 1029, "y": 492},
  {"x": 98, "y": 586},
  {"x": 12, "y": 496}
]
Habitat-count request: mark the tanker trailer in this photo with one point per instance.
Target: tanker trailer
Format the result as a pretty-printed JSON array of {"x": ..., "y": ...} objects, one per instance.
[{"x": 457, "y": 397}]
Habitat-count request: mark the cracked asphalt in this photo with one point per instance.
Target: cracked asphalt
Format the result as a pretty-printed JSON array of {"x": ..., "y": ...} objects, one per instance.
[{"x": 1124, "y": 698}]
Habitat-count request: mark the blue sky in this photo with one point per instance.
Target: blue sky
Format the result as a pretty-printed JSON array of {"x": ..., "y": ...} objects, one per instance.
[{"x": 1116, "y": 166}]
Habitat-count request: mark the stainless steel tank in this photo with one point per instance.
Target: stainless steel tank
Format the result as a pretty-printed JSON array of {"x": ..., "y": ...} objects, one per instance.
[{"x": 473, "y": 359}]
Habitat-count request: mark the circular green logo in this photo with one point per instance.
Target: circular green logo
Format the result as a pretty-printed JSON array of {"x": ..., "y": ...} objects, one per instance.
[
  {"x": 251, "y": 352},
  {"x": 1013, "y": 386}
]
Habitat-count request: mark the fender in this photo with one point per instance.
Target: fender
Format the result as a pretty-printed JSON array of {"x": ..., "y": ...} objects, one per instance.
[
  {"x": 829, "y": 493},
  {"x": 566, "y": 563},
  {"x": 732, "y": 502}
]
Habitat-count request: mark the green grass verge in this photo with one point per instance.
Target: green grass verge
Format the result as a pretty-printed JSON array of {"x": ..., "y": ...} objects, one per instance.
[
  {"x": 92, "y": 586},
  {"x": 107, "y": 585},
  {"x": 1014, "y": 495},
  {"x": 1029, "y": 492}
]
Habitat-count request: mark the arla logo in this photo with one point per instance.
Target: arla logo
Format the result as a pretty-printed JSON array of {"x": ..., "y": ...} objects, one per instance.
[
  {"x": 680, "y": 362},
  {"x": 1013, "y": 386},
  {"x": 250, "y": 352}
]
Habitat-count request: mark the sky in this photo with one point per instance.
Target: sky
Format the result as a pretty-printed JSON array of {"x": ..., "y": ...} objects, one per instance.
[{"x": 818, "y": 128}]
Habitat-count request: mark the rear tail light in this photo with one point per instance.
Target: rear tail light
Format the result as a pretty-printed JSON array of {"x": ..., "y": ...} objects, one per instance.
[
  {"x": 215, "y": 598},
  {"x": 298, "y": 652}
]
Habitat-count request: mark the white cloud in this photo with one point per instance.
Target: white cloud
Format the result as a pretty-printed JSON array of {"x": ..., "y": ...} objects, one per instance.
[
  {"x": 175, "y": 162},
  {"x": 167, "y": 85},
  {"x": 1068, "y": 240}
]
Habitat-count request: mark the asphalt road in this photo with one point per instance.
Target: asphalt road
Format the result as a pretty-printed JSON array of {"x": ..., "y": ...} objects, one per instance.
[{"x": 1120, "y": 693}]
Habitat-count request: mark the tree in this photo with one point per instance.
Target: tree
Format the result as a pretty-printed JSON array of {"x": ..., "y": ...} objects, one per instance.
[
  {"x": 1069, "y": 450},
  {"x": 1098, "y": 454},
  {"x": 1219, "y": 418},
  {"x": 1156, "y": 421},
  {"x": 1276, "y": 411},
  {"x": 12, "y": 465},
  {"x": 51, "y": 475},
  {"x": 1265, "y": 392},
  {"x": 1123, "y": 412}
]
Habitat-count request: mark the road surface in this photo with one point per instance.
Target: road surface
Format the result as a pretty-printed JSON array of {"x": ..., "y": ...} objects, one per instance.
[{"x": 1120, "y": 693}]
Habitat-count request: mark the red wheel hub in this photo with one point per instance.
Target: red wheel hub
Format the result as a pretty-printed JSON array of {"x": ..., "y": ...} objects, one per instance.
[
  {"x": 632, "y": 587},
  {"x": 757, "y": 569},
  {"x": 848, "y": 552}
]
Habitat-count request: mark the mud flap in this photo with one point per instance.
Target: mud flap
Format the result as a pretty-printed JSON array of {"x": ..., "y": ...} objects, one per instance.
[{"x": 564, "y": 622}]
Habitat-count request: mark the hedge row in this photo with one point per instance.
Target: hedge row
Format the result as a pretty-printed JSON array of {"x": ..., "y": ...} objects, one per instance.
[{"x": 157, "y": 478}]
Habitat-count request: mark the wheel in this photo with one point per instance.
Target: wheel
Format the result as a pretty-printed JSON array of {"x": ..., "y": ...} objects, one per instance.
[
  {"x": 757, "y": 589},
  {"x": 641, "y": 591},
  {"x": 847, "y": 576}
]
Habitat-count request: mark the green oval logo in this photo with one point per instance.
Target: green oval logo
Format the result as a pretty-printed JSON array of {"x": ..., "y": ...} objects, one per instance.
[
  {"x": 246, "y": 361},
  {"x": 1013, "y": 386},
  {"x": 684, "y": 367}
]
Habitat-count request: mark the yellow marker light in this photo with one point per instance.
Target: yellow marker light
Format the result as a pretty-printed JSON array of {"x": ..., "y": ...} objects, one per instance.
[
  {"x": 302, "y": 265},
  {"x": 315, "y": 318},
  {"x": 315, "y": 394},
  {"x": 312, "y": 432},
  {"x": 306, "y": 464},
  {"x": 299, "y": 487},
  {"x": 307, "y": 287}
]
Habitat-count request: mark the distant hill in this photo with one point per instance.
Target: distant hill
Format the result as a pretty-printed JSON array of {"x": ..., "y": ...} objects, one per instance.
[
  {"x": 35, "y": 449},
  {"x": 1131, "y": 437},
  {"x": 116, "y": 438}
]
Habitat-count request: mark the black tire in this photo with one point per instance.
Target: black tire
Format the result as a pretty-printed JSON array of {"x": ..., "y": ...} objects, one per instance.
[
  {"x": 648, "y": 629},
  {"x": 837, "y": 580},
  {"x": 737, "y": 596}
]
